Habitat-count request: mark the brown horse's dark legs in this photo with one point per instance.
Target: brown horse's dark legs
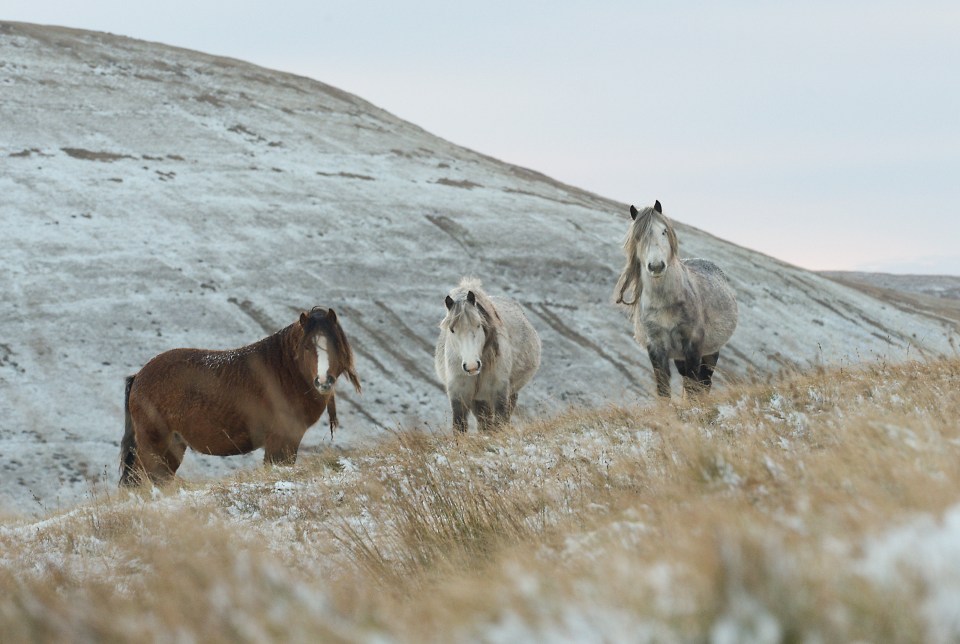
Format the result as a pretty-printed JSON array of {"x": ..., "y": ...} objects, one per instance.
[
  {"x": 132, "y": 472},
  {"x": 129, "y": 467},
  {"x": 280, "y": 450},
  {"x": 159, "y": 456},
  {"x": 460, "y": 412},
  {"x": 174, "y": 456}
]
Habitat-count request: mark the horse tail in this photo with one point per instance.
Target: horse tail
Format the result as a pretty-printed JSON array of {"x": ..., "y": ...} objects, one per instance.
[{"x": 128, "y": 445}]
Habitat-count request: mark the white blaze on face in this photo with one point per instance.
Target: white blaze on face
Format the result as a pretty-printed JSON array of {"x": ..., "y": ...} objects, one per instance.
[
  {"x": 323, "y": 358},
  {"x": 467, "y": 341}
]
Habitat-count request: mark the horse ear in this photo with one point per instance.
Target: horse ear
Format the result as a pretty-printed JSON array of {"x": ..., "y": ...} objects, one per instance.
[
  {"x": 449, "y": 302},
  {"x": 471, "y": 298},
  {"x": 303, "y": 319},
  {"x": 633, "y": 212},
  {"x": 656, "y": 206},
  {"x": 332, "y": 315}
]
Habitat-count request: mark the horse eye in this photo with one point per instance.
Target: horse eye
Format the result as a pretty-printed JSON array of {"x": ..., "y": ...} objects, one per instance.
[{"x": 452, "y": 330}]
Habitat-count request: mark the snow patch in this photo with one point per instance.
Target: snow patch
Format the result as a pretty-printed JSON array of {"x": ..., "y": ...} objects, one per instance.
[{"x": 923, "y": 554}]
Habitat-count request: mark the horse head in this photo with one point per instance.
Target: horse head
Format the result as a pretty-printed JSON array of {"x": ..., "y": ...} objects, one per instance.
[
  {"x": 467, "y": 323},
  {"x": 657, "y": 245},
  {"x": 325, "y": 349},
  {"x": 650, "y": 247}
]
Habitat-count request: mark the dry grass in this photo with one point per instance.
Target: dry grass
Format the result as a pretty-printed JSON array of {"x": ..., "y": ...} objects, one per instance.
[{"x": 757, "y": 514}]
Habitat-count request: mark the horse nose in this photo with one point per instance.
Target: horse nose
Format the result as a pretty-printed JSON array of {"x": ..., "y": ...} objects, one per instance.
[
  {"x": 474, "y": 370},
  {"x": 657, "y": 268},
  {"x": 324, "y": 385}
]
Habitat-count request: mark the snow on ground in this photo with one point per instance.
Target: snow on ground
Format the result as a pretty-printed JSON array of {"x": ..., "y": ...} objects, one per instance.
[
  {"x": 155, "y": 197},
  {"x": 925, "y": 554},
  {"x": 922, "y": 553}
]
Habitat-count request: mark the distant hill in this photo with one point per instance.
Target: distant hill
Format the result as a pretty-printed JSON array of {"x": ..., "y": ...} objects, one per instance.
[
  {"x": 154, "y": 197},
  {"x": 937, "y": 295}
]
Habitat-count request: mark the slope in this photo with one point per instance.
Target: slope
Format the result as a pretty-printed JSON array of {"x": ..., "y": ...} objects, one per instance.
[{"x": 155, "y": 197}]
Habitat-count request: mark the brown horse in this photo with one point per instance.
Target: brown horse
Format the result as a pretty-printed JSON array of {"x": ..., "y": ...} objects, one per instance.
[{"x": 265, "y": 394}]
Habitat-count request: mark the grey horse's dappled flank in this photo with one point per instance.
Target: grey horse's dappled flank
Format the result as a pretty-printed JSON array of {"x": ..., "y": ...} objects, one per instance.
[
  {"x": 487, "y": 351},
  {"x": 684, "y": 310}
]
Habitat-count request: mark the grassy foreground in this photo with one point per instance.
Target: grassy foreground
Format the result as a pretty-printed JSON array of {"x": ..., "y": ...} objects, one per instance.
[{"x": 820, "y": 507}]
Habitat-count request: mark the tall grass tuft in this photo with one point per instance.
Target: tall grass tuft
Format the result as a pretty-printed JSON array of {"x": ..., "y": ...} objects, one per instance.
[{"x": 433, "y": 517}]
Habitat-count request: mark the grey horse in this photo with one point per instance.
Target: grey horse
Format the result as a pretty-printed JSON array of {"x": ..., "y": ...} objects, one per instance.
[
  {"x": 487, "y": 351},
  {"x": 684, "y": 310}
]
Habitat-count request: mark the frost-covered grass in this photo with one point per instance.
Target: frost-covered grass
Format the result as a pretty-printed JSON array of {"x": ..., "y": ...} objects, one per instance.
[{"x": 816, "y": 507}]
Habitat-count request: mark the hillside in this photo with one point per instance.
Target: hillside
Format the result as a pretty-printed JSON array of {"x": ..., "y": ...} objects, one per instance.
[
  {"x": 814, "y": 508},
  {"x": 155, "y": 197},
  {"x": 938, "y": 295}
]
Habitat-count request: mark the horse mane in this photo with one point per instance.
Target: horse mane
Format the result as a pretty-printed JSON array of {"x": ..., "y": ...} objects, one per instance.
[
  {"x": 324, "y": 320},
  {"x": 629, "y": 281},
  {"x": 489, "y": 318}
]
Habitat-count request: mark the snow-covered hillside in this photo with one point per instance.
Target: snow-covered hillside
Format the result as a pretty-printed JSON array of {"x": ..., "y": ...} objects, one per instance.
[
  {"x": 943, "y": 286},
  {"x": 154, "y": 197}
]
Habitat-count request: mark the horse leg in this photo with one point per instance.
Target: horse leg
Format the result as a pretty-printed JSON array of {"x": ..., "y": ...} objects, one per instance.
[
  {"x": 661, "y": 369},
  {"x": 485, "y": 416},
  {"x": 681, "y": 367},
  {"x": 685, "y": 376},
  {"x": 460, "y": 418},
  {"x": 174, "y": 455},
  {"x": 281, "y": 444},
  {"x": 503, "y": 407},
  {"x": 160, "y": 454},
  {"x": 280, "y": 449},
  {"x": 512, "y": 404},
  {"x": 706, "y": 369},
  {"x": 692, "y": 364}
]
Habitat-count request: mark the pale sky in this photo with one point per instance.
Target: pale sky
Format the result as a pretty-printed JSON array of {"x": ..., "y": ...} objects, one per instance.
[{"x": 826, "y": 134}]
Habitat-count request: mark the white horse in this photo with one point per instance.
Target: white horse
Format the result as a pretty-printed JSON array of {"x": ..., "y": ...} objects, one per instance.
[
  {"x": 487, "y": 351},
  {"x": 683, "y": 310}
]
